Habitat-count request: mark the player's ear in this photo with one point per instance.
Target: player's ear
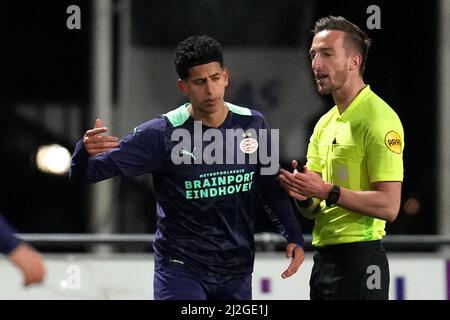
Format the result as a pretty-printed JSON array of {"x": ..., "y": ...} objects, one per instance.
[
  {"x": 183, "y": 87},
  {"x": 225, "y": 75}
]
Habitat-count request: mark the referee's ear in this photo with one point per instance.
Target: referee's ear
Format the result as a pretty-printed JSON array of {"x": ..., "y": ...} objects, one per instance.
[{"x": 355, "y": 62}]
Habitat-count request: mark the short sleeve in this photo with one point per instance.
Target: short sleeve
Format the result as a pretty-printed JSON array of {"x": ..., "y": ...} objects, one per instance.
[
  {"x": 312, "y": 156},
  {"x": 384, "y": 148}
]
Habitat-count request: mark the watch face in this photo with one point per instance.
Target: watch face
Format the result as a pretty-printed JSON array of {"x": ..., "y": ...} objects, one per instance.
[{"x": 333, "y": 196}]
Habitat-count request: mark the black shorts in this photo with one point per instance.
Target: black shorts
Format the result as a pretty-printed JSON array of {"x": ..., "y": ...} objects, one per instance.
[{"x": 354, "y": 271}]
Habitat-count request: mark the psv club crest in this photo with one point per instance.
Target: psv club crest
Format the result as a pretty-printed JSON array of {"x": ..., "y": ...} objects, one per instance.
[{"x": 248, "y": 145}]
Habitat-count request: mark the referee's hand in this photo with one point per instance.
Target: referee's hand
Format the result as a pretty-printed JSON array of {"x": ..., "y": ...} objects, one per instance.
[
  {"x": 297, "y": 254},
  {"x": 95, "y": 143}
]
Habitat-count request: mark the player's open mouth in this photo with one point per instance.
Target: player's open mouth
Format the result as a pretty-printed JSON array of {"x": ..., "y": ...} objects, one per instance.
[{"x": 321, "y": 77}]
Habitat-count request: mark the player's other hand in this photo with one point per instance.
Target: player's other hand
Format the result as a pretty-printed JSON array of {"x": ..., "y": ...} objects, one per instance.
[
  {"x": 297, "y": 254},
  {"x": 95, "y": 143}
]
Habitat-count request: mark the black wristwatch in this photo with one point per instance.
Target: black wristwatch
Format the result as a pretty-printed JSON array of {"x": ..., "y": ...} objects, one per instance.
[{"x": 333, "y": 196}]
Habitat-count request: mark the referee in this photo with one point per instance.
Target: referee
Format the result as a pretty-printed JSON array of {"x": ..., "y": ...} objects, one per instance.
[{"x": 351, "y": 184}]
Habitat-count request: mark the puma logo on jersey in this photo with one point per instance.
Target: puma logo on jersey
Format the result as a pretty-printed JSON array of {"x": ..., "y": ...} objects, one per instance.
[
  {"x": 136, "y": 130},
  {"x": 185, "y": 152}
]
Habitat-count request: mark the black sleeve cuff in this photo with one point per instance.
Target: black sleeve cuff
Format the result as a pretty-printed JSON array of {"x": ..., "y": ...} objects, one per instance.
[{"x": 305, "y": 203}]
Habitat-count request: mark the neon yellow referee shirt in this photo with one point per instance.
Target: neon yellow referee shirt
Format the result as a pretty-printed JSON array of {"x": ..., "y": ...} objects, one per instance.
[{"x": 362, "y": 145}]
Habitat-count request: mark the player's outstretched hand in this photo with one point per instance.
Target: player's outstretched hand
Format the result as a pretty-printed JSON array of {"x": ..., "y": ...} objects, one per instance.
[{"x": 95, "y": 143}]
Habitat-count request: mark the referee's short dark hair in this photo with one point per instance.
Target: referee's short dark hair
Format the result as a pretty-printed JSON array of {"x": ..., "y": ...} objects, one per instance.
[
  {"x": 354, "y": 35},
  {"x": 194, "y": 51}
]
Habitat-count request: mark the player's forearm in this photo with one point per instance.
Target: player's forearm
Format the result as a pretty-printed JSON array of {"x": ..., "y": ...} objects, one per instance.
[
  {"x": 282, "y": 215},
  {"x": 78, "y": 166},
  {"x": 279, "y": 209},
  {"x": 90, "y": 169}
]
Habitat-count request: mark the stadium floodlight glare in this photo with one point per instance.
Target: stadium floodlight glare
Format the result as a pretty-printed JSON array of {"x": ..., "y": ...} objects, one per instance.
[{"x": 54, "y": 159}]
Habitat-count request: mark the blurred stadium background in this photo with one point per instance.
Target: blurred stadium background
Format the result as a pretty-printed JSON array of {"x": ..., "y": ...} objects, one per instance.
[{"x": 118, "y": 66}]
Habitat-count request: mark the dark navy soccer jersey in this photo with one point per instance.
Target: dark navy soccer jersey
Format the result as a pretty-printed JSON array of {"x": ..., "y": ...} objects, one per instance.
[{"x": 204, "y": 204}]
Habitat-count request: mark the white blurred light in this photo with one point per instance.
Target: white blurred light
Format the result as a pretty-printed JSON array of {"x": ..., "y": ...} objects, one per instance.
[{"x": 53, "y": 159}]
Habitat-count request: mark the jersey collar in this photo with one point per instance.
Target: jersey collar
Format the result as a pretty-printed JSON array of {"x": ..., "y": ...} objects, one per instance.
[{"x": 355, "y": 102}]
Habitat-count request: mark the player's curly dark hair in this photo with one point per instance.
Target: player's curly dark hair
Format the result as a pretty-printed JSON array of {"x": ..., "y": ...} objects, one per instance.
[
  {"x": 194, "y": 51},
  {"x": 355, "y": 36}
]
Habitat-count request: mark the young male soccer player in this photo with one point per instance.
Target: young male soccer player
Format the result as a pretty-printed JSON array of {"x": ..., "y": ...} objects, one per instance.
[{"x": 204, "y": 181}]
